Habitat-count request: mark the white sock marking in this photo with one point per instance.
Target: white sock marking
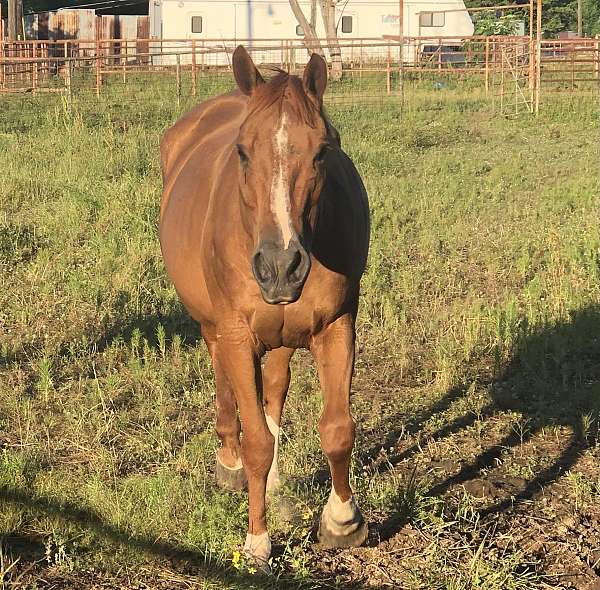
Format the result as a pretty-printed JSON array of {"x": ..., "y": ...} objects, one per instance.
[
  {"x": 341, "y": 518},
  {"x": 258, "y": 546},
  {"x": 273, "y": 477},
  {"x": 280, "y": 195}
]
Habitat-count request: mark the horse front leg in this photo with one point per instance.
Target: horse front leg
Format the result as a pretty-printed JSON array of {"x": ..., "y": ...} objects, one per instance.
[
  {"x": 276, "y": 381},
  {"x": 229, "y": 472},
  {"x": 240, "y": 361},
  {"x": 342, "y": 524}
]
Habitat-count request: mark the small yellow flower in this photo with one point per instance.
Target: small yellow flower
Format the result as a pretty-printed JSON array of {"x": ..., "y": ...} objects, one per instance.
[
  {"x": 235, "y": 561},
  {"x": 252, "y": 570},
  {"x": 306, "y": 516}
]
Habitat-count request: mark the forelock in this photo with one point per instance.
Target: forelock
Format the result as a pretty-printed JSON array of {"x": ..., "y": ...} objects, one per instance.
[{"x": 286, "y": 93}]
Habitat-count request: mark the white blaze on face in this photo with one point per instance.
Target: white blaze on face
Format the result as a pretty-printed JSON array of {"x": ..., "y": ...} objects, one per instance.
[{"x": 280, "y": 193}]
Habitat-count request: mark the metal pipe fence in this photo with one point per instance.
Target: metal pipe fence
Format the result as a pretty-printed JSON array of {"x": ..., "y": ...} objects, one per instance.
[{"x": 512, "y": 71}]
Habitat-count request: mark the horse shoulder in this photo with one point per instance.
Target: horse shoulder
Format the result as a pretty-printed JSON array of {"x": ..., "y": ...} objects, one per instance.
[{"x": 196, "y": 124}]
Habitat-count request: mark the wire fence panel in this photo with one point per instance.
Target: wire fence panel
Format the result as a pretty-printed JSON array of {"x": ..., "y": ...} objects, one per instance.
[{"x": 510, "y": 70}]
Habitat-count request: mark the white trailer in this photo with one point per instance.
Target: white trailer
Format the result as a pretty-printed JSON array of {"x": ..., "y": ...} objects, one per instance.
[{"x": 260, "y": 20}]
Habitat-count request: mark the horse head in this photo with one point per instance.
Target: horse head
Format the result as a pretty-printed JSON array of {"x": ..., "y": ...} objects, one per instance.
[{"x": 281, "y": 149}]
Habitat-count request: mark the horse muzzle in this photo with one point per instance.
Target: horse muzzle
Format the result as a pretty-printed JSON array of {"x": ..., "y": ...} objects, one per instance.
[{"x": 280, "y": 273}]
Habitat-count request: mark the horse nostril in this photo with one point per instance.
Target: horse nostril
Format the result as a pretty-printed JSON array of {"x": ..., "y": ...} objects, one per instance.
[
  {"x": 261, "y": 269},
  {"x": 294, "y": 264},
  {"x": 299, "y": 266}
]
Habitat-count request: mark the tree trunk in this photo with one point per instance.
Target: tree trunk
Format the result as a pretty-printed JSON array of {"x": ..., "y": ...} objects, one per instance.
[
  {"x": 313, "y": 15},
  {"x": 311, "y": 40},
  {"x": 335, "y": 52},
  {"x": 15, "y": 20}
]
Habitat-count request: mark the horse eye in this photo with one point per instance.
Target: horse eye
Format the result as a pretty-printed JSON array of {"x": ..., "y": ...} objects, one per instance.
[
  {"x": 321, "y": 153},
  {"x": 244, "y": 158}
]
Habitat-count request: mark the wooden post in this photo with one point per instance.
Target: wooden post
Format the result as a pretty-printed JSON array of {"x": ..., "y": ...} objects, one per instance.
[
  {"x": 531, "y": 51},
  {"x": 487, "y": 66},
  {"x": 439, "y": 54},
  {"x": 98, "y": 68},
  {"x": 34, "y": 73},
  {"x": 401, "y": 56},
  {"x": 178, "y": 79},
  {"x": 538, "y": 74},
  {"x": 388, "y": 73},
  {"x": 502, "y": 49},
  {"x": 572, "y": 50},
  {"x": 598, "y": 57},
  {"x": 69, "y": 72},
  {"x": 2, "y": 68},
  {"x": 124, "y": 61},
  {"x": 193, "y": 68}
]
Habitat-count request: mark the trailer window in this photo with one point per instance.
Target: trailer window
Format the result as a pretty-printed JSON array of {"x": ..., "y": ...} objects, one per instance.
[
  {"x": 299, "y": 31},
  {"x": 347, "y": 24},
  {"x": 196, "y": 24},
  {"x": 433, "y": 19}
]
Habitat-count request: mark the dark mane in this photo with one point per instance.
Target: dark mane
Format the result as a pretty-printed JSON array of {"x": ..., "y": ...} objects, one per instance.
[{"x": 289, "y": 92}]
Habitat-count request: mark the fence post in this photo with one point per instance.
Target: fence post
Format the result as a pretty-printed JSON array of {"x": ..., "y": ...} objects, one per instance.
[
  {"x": 193, "y": 67},
  {"x": 487, "y": 66},
  {"x": 69, "y": 83},
  {"x": 598, "y": 57},
  {"x": 178, "y": 79},
  {"x": 2, "y": 69},
  {"x": 124, "y": 61},
  {"x": 98, "y": 70},
  {"x": 502, "y": 54},
  {"x": 34, "y": 73},
  {"x": 538, "y": 60},
  {"x": 388, "y": 72}
]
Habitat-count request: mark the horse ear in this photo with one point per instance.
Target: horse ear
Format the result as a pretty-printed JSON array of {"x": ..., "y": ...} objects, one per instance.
[
  {"x": 245, "y": 72},
  {"x": 315, "y": 77}
]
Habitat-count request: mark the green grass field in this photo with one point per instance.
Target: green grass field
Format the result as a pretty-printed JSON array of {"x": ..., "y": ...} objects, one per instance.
[{"x": 477, "y": 390}]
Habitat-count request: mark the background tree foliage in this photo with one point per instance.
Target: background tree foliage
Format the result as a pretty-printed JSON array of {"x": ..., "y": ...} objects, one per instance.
[{"x": 558, "y": 15}]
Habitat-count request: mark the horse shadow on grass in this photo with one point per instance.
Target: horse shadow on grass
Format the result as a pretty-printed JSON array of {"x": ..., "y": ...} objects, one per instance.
[{"x": 553, "y": 379}]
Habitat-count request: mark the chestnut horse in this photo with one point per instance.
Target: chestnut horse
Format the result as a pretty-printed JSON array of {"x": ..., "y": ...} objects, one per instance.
[{"x": 264, "y": 230}]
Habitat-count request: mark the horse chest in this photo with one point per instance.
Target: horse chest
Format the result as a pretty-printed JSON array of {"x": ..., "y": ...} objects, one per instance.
[{"x": 294, "y": 325}]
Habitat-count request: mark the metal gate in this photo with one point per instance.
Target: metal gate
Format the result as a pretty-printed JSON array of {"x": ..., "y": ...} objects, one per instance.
[{"x": 513, "y": 77}]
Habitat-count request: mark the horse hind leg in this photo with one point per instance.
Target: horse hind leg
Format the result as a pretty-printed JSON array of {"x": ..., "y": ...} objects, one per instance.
[
  {"x": 229, "y": 472},
  {"x": 342, "y": 524},
  {"x": 276, "y": 381}
]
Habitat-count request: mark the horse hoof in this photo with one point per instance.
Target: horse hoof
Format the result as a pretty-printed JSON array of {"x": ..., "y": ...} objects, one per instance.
[
  {"x": 230, "y": 479},
  {"x": 260, "y": 565},
  {"x": 330, "y": 540},
  {"x": 257, "y": 551}
]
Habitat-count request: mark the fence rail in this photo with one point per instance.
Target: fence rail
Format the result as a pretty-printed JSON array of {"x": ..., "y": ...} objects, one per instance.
[{"x": 372, "y": 67}]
